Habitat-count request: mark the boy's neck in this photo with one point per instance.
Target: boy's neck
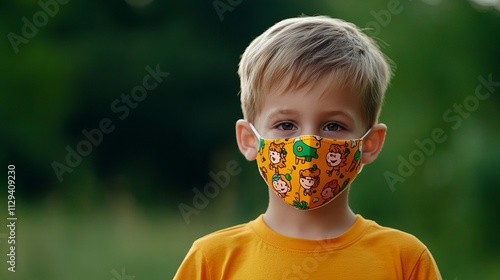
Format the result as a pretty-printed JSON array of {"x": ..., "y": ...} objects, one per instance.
[{"x": 328, "y": 221}]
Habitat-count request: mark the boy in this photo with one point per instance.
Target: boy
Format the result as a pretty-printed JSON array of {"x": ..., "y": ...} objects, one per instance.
[{"x": 305, "y": 83}]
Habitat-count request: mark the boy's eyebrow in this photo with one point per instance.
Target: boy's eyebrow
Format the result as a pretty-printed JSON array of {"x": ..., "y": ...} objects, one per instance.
[
  {"x": 277, "y": 113},
  {"x": 291, "y": 112},
  {"x": 283, "y": 112},
  {"x": 347, "y": 113}
]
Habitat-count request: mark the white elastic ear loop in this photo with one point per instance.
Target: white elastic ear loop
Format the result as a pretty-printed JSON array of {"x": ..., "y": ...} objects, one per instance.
[
  {"x": 255, "y": 131},
  {"x": 367, "y": 132}
]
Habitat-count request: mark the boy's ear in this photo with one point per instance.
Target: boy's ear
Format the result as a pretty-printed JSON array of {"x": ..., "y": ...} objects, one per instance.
[
  {"x": 373, "y": 142},
  {"x": 246, "y": 139}
]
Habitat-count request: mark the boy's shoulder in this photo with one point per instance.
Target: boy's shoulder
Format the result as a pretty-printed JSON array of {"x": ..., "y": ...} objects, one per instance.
[
  {"x": 223, "y": 237},
  {"x": 382, "y": 236}
]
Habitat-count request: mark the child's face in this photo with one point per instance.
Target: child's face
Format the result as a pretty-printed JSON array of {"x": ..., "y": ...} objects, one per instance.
[
  {"x": 307, "y": 182},
  {"x": 280, "y": 186},
  {"x": 333, "y": 159},
  {"x": 274, "y": 157},
  {"x": 327, "y": 193},
  {"x": 322, "y": 110}
]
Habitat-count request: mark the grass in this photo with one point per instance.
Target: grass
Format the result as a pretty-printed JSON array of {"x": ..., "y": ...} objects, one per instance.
[{"x": 54, "y": 244}]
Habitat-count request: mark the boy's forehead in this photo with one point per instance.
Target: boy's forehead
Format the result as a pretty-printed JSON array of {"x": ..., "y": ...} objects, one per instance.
[
  {"x": 319, "y": 84},
  {"x": 323, "y": 89},
  {"x": 321, "y": 96}
]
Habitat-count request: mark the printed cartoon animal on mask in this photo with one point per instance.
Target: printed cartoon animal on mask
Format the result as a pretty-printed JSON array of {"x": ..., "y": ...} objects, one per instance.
[{"x": 306, "y": 152}]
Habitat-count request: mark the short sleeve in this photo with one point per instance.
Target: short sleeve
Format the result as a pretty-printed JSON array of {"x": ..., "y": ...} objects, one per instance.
[
  {"x": 425, "y": 268},
  {"x": 194, "y": 266}
]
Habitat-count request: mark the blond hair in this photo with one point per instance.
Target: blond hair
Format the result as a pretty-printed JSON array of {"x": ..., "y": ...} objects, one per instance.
[{"x": 297, "y": 52}]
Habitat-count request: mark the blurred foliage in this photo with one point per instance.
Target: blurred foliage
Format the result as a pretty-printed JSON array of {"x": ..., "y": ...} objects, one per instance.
[{"x": 118, "y": 208}]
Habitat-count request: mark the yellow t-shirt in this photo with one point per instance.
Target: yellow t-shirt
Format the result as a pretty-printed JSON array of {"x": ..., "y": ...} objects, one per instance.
[{"x": 254, "y": 251}]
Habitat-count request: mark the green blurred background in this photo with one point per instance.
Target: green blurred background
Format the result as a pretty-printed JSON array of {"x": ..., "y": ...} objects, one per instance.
[{"x": 116, "y": 214}]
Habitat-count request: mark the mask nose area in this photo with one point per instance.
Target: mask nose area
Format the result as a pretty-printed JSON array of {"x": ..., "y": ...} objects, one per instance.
[{"x": 311, "y": 141}]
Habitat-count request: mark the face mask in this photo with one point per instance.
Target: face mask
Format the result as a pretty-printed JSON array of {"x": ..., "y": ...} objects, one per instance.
[{"x": 308, "y": 171}]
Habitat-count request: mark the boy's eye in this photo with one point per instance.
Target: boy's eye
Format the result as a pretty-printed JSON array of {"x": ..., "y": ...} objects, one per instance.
[
  {"x": 285, "y": 126},
  {"x": 333, "y": 127}
]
